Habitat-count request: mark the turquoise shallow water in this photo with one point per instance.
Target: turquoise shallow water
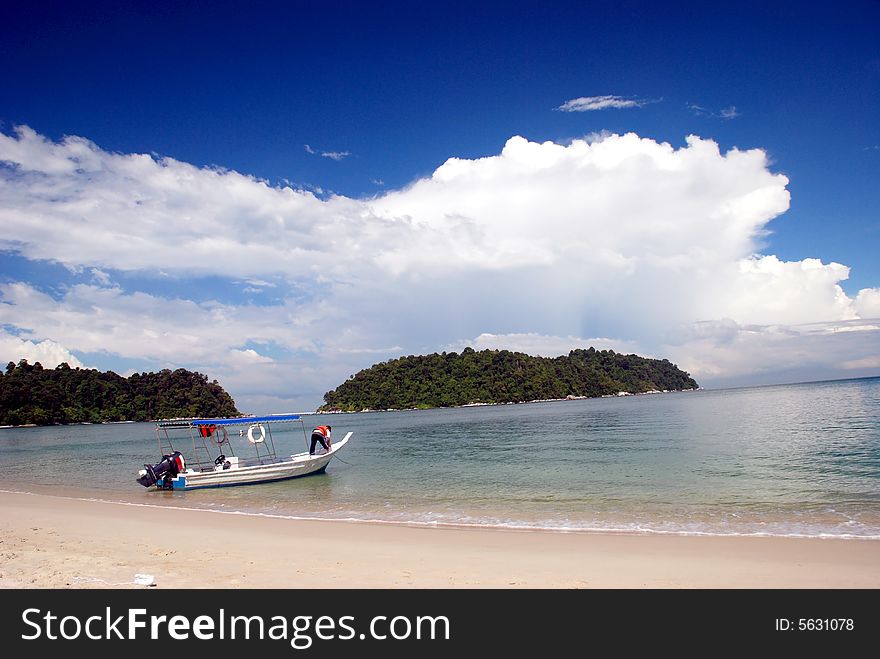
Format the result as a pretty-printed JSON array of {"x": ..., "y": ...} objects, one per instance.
[{"x": 783, "y": 460}]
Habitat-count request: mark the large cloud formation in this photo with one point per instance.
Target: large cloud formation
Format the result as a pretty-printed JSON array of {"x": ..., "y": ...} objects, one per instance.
[{"x": 654, "y": 247}]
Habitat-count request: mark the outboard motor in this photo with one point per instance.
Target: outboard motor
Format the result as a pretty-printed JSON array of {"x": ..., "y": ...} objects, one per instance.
[{"x": 170, "y": 465}]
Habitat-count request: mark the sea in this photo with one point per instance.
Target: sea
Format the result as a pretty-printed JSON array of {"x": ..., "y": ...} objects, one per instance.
[{"x": 789, "y": 460}]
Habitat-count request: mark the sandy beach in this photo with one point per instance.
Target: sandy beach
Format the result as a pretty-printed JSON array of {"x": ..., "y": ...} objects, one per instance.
[{"x": 50, "y": 541}]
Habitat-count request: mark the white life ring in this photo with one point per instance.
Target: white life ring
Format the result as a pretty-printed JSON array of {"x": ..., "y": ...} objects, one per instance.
[{"x": 256, "y": 440}]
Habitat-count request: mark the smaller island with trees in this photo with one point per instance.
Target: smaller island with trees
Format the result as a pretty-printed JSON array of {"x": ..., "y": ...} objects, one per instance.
[
  {"x": 450, "y": 379},
  {"x": 33, "y": 395}
]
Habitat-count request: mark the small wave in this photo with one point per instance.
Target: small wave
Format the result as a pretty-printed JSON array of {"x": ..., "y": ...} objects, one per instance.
[{"x": 782, "y": 529}]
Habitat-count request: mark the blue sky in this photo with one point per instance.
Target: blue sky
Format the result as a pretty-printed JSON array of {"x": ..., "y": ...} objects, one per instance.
[{"x": 360, "y": 105}]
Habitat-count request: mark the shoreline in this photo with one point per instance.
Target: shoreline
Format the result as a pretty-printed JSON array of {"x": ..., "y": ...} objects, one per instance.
[
  {"x": 107, "y": 497},
  {"x": 51, "y": 541},
  {"x": 620, "y": 394}
]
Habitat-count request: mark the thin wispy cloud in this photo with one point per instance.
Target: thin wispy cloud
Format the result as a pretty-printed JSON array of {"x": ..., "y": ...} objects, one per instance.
[
  {"x": 256, "y": 284},
  {"x": 590, "y": 103},
  {"x": 101, "y": 277},
  {"x": 335, "y": 155},
  {"x": 730, "y": 112}
]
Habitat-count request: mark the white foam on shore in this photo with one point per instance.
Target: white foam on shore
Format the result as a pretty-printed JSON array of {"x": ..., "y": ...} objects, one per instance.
[{"x": 633, "y": 529}]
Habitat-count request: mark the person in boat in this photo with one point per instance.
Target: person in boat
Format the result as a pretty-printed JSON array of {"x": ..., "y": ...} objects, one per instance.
[{"x": 320, "y": 434}]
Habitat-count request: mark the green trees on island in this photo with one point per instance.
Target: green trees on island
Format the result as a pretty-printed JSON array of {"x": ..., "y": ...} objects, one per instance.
[
  {"x": 30, "y": 393},
  {"x": 501, "y": 376}
]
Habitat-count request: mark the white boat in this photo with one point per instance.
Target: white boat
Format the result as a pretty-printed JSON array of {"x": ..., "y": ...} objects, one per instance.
[{"x": 213, "y": 463}]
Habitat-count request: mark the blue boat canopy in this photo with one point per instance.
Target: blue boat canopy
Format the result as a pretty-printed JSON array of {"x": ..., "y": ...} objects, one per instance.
[{"x": 240, "y": 421}]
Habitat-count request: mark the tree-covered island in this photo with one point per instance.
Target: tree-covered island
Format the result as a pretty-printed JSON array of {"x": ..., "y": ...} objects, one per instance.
[
  {"x": 31, "y": 394},
  {"x": 499, "y": 376}
]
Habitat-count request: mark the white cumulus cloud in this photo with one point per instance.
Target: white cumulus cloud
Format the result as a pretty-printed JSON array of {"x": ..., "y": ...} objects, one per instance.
[
  {"x": 49, "y": 353},
  {"x": 727, "y": 353},
  {"x": 867, "y": 303},
  {"x": 656, "y": 247}
]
